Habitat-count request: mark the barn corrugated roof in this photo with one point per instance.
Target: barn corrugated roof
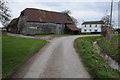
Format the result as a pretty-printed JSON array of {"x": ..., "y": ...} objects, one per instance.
[
  {"x": 72, "y": 27},
  {"x": 93, "y": 22},
  {"x": 38, "y": 15},
  {"x": 13, "y": 23}
]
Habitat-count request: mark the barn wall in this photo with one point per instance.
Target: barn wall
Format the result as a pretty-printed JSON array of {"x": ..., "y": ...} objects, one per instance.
[
  {"x": 21, "y": 23},
  {"x": 43, "y": 28}
]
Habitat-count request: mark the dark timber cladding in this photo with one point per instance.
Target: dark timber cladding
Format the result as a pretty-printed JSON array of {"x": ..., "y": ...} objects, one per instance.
[
  {"x": 36, "y": 21},
  {"x": 12, "y": 26}
]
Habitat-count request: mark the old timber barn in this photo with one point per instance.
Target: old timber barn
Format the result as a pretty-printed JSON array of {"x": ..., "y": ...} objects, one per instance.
[{"x": 35, "y": 21}]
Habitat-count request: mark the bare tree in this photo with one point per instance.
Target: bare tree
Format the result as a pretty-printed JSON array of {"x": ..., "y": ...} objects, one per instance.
[
  {"x": 106, "y": 20},
  {"x": 67, "y": 12},
  {"x": 75, "y": 21},
  {"x": 4, "y": 13}
]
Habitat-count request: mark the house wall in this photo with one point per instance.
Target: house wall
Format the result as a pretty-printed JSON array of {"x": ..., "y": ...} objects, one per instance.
[{"x": 90, "y": 29}]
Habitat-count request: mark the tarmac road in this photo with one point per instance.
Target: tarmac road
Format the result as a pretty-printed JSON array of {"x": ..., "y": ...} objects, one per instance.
[{"x": 56, "y": 60}]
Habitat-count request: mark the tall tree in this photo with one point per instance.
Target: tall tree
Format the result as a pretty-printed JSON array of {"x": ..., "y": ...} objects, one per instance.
[{"x": 4, "y": 13}]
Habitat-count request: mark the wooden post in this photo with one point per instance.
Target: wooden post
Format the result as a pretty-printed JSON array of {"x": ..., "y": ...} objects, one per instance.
[{"x": 111, "y": 13}]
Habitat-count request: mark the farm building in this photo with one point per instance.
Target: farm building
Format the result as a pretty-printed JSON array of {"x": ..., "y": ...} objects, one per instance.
[
  {"x": 12, "y": 26},
  {"x": 35, "y": 21},
  {"x": 92, "y": 27}
]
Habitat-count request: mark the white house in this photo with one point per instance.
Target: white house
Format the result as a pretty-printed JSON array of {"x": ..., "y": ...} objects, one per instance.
[{"x": 92, "y": 27}]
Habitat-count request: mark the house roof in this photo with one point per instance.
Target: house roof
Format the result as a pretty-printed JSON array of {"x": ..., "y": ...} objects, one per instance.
[
  {"x": 38, "y": 15},
  {"x": 93, "y": 22},
  {"x": 72, "y": 27}
]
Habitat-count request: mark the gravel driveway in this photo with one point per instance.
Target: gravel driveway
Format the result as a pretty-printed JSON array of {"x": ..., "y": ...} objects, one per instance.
[{"x": 58, "y": 59}]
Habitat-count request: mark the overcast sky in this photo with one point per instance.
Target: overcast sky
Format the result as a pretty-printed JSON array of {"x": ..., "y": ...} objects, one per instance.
[{"x": 87, "y": 10}]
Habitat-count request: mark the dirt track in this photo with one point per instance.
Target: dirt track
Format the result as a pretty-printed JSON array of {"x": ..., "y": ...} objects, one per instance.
[{"x": 56, "y": 60}]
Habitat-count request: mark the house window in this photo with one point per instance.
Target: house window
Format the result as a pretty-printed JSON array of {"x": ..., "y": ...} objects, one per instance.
[
  {"x": 95, "y": 30},
  {"x": 90, "y": 25},
  {"x": 85, "y": 30},
  {"x": 38, "y": 27},
  {"x": 85, "y": 25},
  {"x": 96, "y": 25},
  {"x": 90, "y": 29}
]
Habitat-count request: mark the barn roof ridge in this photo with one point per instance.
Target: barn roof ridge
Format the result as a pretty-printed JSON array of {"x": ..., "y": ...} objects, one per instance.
[
  {"x": 40, "y": 15},
  {"x": 44, "y": 10}
]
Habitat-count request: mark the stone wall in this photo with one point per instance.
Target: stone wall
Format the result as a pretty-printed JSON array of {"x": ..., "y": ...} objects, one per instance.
[{"x": 106, "y": 31}]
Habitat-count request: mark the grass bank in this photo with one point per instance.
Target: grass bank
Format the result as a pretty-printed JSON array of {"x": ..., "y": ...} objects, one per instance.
[
  {"x": 16, "y": 50},
  {"x": 96, "y": 66},
  {"x": 110, "y": 47}
]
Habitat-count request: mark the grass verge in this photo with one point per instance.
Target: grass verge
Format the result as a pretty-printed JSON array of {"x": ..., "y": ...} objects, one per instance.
[
  {"x": 110, "y": 47},
  {"x": 97, "y": 67},
  {"x": 16, "y": 50}
]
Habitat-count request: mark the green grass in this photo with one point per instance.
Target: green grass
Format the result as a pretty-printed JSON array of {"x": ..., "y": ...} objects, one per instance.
[
  {"x": 96, "y": 66},
  {"x": 16, "y": 50},
  {"x": 111, "y": 47},
  {"x": 114, "y": 39}
]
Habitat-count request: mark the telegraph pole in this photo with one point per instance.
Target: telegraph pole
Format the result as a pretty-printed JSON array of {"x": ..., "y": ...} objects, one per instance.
[{"x": 111, "y": 13}]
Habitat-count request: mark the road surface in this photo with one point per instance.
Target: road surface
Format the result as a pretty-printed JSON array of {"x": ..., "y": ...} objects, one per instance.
[{"x": 56, "y": 60}]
